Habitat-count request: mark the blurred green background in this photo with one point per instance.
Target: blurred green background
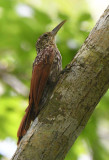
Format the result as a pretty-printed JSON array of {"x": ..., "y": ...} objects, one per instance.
[{"x": 21, "y": 23}]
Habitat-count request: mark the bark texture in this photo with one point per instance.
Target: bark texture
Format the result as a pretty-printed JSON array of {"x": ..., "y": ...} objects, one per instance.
[{"x": 79, "y": 89}]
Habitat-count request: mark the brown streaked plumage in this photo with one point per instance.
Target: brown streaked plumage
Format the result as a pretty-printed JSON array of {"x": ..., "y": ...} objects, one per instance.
[{"x": 46, "y": 68}]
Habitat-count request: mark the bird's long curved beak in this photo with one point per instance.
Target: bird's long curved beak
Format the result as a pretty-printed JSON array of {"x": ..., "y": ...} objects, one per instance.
[{"x": 57, "y": 28}]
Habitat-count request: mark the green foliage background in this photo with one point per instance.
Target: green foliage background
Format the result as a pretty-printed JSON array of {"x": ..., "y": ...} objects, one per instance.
[{"x": 18, "y": 35}]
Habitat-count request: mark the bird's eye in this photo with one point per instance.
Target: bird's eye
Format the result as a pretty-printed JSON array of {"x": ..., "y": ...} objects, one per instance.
[{"x": 45, "y": 35}]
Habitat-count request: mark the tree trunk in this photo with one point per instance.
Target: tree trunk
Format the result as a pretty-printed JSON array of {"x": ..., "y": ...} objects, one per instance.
[{"x": 79, "y": 89}]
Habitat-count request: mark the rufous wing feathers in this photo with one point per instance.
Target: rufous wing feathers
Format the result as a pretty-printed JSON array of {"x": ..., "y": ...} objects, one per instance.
[{"x": 40, "y": 74}]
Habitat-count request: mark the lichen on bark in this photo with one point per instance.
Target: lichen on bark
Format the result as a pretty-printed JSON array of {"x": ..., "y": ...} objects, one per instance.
[{"x": 79, "y": 89}]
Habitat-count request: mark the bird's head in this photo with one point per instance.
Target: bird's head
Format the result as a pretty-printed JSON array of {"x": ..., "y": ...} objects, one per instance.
[{"x": 48, "y": 38}]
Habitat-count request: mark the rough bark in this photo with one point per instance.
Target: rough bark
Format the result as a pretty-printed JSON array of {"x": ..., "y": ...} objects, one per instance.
[{"x": 79, "y": 89}]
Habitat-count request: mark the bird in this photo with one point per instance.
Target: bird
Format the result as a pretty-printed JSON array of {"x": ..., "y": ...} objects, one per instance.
[{"x": 46, "y": 68}]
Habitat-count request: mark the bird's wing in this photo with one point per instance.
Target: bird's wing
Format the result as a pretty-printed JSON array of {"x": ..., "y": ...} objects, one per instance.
[{"x": 40, "y": 74}]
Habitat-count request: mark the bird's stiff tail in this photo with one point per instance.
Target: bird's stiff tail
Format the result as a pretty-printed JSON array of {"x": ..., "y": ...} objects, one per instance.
[{"x": 24, "y": 125}]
